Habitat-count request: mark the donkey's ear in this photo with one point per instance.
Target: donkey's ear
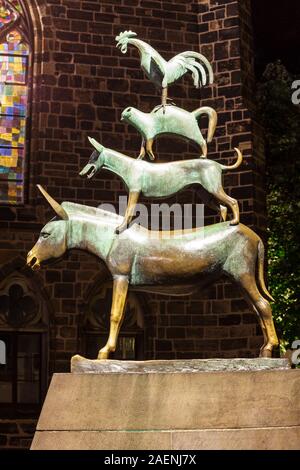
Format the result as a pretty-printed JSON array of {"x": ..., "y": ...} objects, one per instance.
[
  {"x": 60, "y": 211},
  {"x": 96, "y": 144}
]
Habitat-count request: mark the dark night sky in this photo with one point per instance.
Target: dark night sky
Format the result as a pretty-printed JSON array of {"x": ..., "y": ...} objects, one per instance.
[{"x": 277, "y": 33}]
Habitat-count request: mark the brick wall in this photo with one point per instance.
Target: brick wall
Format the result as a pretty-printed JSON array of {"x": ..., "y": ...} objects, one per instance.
[
  {"x": 82, "y": 84},
  {"x": 16, "y": 433}
]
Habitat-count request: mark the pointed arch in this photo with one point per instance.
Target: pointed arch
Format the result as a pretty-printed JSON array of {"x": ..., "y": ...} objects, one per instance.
[{"x": 26, "y": 319}]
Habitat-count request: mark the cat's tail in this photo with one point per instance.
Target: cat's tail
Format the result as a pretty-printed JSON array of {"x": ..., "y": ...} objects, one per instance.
[{"x": 212, "y": 120}]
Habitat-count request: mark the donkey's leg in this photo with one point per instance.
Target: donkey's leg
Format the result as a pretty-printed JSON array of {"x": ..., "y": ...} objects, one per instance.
[
  {"x": 132, "y": 202},
  {"x": 142, "y": 151},
  {"x": 263, "y": 308},
  {"x": 120, "y": 288},
  {"x": 232, "y": 203},
  {"x": 260, "y": 320},
  {"x": 149, "y": 150}
]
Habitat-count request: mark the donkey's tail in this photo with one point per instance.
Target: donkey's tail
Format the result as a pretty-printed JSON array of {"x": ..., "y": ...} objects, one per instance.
[
  {"x": 212, "y": 119},
  {"x": 237, "y": 163},
  {"x": 261, "y": 277}
]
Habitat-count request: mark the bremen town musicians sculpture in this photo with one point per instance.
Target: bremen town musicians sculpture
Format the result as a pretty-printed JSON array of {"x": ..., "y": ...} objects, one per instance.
[{"x": 174, "y": 262}]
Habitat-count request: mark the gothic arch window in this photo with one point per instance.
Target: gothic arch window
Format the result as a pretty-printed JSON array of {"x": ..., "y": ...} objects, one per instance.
[
  {"x": 24, "y": 329},
  {"x": 97, "y": 320},
  {"x": 15, "y": 86}
]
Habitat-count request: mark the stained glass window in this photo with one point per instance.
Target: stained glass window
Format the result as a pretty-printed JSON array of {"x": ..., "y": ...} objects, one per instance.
[{"x": 15, "y": 56}]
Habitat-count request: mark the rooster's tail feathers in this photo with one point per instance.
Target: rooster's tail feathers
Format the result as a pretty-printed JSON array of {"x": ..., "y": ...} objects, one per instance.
[
  {"x": 197, "y": 57},
  {"x": 196, "y": 69}
]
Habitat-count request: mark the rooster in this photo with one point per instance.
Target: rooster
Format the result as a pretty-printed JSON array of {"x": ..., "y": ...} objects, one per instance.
[{"x": 163, "y": 73}]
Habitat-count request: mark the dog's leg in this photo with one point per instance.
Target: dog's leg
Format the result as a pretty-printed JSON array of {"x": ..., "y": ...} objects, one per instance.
[
  {"x": 149, "y": 144},
  {"x": 142, "y": 151},
  {"x": 132, "y": 201},
  {"x": 120, "y": 288},
  {"x": 211, "y": 202},
  {"x": 229, "y": 201}
]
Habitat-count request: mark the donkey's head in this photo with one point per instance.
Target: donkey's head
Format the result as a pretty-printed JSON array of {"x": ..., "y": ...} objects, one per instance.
[
  {"x": 96, "y": 160},
  {"x": 52, "y": 242}
]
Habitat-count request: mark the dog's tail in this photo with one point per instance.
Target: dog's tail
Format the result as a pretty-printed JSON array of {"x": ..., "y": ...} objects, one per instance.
[{"x": 237, "y": 163}]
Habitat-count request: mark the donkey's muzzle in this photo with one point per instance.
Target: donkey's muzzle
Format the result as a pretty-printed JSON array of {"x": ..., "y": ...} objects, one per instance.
[{"x": 32, "y": 261}]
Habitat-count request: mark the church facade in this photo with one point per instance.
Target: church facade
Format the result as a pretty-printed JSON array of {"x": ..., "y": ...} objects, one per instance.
[{"x": 62, "y": 80}]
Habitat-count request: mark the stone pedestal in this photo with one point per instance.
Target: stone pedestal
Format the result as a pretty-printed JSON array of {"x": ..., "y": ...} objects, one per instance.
[{"x": 253, "y": 404}]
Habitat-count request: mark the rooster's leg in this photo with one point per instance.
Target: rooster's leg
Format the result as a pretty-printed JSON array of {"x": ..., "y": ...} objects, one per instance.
[{"x": 164, "y": 99}]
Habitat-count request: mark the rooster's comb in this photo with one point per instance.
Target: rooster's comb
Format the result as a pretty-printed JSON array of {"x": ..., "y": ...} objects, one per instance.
[{"x": 125, "y": 35}]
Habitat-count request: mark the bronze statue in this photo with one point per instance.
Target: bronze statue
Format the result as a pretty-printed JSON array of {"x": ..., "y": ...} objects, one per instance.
[
  {"x": 175, "y": 264},
  {"x": 175, "y": 121},
  {"x": 162, "y": 180},
  {"x": 166, "y": 262},
  {"x": 163, "y": 73}
]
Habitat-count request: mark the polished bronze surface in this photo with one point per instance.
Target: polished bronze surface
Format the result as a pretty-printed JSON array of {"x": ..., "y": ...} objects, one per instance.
[{"x": 173, "y": 262}]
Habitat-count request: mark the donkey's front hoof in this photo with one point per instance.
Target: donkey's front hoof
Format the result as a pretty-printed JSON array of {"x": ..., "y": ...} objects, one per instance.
[{"x": 103, "y": 355}]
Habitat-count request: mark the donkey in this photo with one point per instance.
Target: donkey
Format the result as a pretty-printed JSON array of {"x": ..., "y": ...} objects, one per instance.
[
  {"x": 172, "y": 263},
  {"x": 163, "y": 179}
]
